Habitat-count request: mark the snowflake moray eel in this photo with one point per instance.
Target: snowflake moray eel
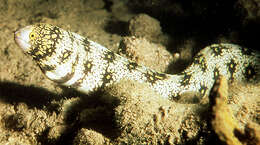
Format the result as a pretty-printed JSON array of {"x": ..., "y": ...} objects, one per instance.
[{"x": 74, "y": 61}]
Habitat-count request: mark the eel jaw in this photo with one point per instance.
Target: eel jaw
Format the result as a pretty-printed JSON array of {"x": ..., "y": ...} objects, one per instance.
[{"x": 22, "y": 38}]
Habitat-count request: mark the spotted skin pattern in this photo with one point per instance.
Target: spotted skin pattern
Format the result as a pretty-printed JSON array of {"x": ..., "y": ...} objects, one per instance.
[{"x": 74, "y": 61}]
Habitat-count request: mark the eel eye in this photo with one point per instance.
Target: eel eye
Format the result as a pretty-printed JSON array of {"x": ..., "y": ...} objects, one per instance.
[{"x": 32, "y": 35}]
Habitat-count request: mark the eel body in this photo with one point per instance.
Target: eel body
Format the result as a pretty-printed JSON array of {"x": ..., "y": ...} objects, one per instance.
[{"x": 75, "y": 61}]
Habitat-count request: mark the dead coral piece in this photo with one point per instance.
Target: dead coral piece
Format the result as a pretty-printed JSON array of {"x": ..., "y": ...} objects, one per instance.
[
  {"x": 144, "y": 26},
  {"x": 89, "y": 137},
  {"x": 136, "y": 50},
  {"x": 144, "y": 117},
  {"x": 223, "y": 123}
]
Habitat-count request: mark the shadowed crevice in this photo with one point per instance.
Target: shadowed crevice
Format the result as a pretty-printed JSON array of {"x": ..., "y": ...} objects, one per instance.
[{"x": 31, "y": 95}]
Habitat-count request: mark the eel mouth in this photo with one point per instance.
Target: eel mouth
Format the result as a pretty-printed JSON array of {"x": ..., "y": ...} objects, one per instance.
[{"x": 22, "y": 38}]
